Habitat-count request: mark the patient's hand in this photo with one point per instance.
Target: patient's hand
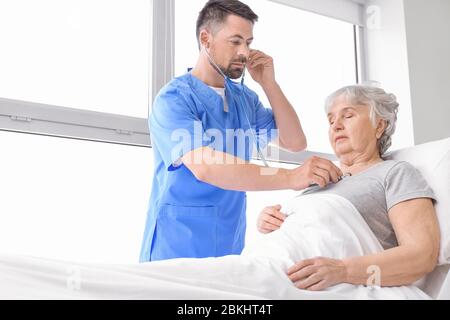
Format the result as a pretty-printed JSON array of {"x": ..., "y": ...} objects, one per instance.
[
  {"x": 318, "y": 273},
  {"x": 270, "y": 219}
]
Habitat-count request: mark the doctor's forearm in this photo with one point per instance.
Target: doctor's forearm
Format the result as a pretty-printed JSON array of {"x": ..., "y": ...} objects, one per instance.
[
  {"x": 246, "y": 177},
  {"x": 290, "y": 130},
  {"x": 228, "y": 172}
]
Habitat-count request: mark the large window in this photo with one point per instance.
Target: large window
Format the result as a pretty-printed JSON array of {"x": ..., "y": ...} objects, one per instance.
[
  {"x": 313, "y": 55},
  {"x": 83, "y": 54},
  {"x": 80, "y": 69},
  {"x": 73, "y": 200}
]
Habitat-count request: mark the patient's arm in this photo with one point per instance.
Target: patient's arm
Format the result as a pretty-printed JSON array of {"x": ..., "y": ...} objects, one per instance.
[{"x": 416, "y": 227}]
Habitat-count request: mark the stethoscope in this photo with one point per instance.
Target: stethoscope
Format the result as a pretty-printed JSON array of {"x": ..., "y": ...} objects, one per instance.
[
  {"x": 216, "y": 67},
  {"x": 315, "y": 185}
]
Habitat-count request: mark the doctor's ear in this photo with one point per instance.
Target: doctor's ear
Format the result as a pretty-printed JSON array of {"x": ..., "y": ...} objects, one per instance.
[{"x": 204, "y": 39}]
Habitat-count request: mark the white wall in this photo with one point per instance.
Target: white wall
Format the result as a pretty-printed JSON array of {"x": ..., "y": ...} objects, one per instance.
[
  {"x": 387, "y": 61},
  {"x": 407, "y": 51},
  {"x": 428, "y": 40}
]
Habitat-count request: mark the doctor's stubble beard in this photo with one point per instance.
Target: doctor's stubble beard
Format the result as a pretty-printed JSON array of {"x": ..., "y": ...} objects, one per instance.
[{"x": 232, "y": 72}]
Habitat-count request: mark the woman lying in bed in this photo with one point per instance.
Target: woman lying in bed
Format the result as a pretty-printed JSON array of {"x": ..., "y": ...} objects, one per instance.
[
  {"x": 391, "y": 196},
  {"x": 381, "y": 216}
]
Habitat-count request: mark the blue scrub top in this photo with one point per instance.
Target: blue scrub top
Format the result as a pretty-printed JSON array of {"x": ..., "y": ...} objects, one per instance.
[{"x": 188, "y": 218}]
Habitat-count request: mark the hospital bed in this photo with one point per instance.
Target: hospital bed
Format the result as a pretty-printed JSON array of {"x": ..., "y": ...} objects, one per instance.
[{"x": 231, "y": 277}]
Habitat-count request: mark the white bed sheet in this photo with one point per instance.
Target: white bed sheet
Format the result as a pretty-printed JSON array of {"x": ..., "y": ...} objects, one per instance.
[
  {"x": 437, "y": 283},
  {"x": 319, "y": 225}
]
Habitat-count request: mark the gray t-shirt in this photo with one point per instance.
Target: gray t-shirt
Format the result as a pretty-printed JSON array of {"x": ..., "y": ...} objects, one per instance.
[{"x": 376, "y": 190}]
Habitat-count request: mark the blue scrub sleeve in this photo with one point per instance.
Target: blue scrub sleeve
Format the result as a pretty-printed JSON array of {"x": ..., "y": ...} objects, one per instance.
[
  {"x": 265, "y": 125},
  {"x": 175, "y": 130}
]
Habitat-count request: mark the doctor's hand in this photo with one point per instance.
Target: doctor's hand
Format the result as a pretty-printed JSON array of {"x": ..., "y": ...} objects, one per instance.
[
  {"x": 318, "y": 273},
  {"x": 260, "y": 66},
  {"x": 270, "y": 219},
  {"x": 315, "y": 170}
]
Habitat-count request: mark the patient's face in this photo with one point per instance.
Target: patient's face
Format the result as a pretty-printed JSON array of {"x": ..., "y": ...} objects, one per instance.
[{"x": 351, "y": 132}]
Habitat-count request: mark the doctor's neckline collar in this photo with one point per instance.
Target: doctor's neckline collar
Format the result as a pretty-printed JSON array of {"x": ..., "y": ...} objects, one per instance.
[
  {"x": 196, "y": 81},
  {"x": 201, "y": 89}
]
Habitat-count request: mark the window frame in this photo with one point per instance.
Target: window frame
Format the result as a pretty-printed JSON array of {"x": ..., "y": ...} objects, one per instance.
[{"x": 59, "y": 121}]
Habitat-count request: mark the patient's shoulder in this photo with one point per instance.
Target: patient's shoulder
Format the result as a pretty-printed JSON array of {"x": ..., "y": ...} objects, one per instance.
[
  {"x": 382, "y": 169},
  {"x": 394, "y": 171},
  {"x": 389, "y": 166},
  {"x": 397, "y": 167},
  {"x": 405, "y": 182}
]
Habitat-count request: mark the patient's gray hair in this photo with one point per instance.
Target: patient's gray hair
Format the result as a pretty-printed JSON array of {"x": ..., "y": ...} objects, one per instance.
[{"x": 382, "y": 105}]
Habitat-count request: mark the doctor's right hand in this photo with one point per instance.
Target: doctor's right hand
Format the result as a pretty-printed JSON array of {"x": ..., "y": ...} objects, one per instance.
[
  {"x": 270, "y": 219},
  {"x": 315, "y": 170}
]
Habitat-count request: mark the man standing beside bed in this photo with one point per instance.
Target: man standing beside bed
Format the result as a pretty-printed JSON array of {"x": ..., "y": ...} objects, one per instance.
[
  {"x": 197, "y": 207},
  {"x": 391, "y": 196}
]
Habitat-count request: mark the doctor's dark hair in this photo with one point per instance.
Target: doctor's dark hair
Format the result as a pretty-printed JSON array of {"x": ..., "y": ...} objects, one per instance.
[{"x": 216, "y": 11}]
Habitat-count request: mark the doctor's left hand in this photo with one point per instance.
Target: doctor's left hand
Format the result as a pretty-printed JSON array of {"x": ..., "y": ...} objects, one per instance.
[
  {"x": 260, "y": 66},
  {"x": 318, "y": 273}
]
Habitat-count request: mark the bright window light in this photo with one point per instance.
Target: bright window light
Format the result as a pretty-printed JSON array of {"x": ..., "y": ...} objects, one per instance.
[
  {"x": 73, "y": 200},
  {"x": 85, "y": 54}
]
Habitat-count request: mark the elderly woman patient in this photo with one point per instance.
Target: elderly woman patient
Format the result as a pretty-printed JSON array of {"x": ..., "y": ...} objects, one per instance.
[{"x": 391, "y": 196}]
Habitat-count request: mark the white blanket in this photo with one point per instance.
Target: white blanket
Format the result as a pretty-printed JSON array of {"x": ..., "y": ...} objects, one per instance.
[{"x": 318, "y": 225}]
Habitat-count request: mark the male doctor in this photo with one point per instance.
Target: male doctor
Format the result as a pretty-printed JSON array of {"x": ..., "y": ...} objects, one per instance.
[{"x": 203, "y": 127}]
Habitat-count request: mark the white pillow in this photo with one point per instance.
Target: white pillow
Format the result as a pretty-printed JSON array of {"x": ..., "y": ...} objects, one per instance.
[{"x": 433, "y": 161}]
